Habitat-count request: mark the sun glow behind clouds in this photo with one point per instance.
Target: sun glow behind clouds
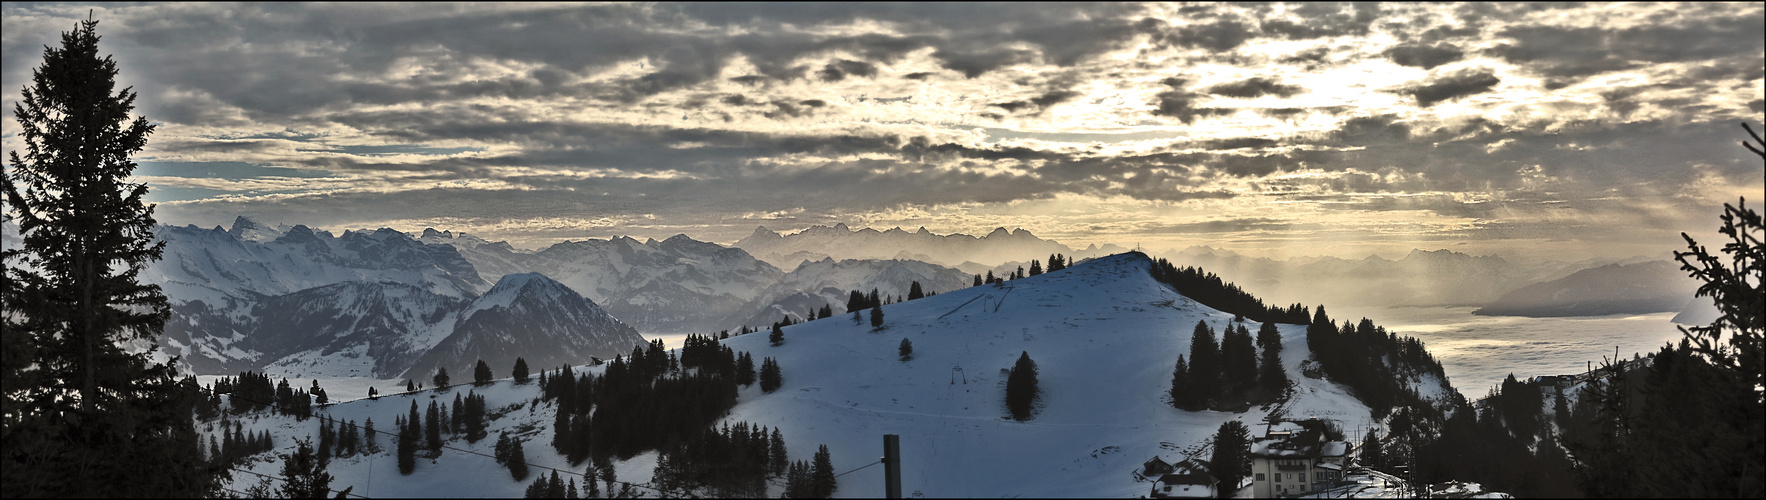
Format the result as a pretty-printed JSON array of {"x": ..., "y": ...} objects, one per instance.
[{"x": 1299, "y": 128}]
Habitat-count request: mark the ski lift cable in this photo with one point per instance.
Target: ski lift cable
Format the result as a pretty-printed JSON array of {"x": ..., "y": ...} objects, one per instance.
[{"x": 267, "y": 476}]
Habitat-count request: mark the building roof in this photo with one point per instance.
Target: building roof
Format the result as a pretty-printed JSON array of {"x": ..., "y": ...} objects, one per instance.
[
  {"x": 1191, "y": 478},
  {"x": 1329, "y": 465},
  {"x": 1293, "y": 439},
  {"x": 1334, "y": 449},
  {"x": 1156, "y": 460}
]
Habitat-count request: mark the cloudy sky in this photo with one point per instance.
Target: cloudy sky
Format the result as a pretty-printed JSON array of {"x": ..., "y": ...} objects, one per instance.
[{"x": 1530, "y": 131}]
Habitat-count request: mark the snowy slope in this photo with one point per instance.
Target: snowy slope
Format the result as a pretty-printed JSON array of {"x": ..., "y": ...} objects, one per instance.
[{"x": 1103, "y": 333}]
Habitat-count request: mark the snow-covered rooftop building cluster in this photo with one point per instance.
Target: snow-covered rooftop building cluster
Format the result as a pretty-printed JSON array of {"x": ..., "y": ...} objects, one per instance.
[{"x": 1296, "y": 458}]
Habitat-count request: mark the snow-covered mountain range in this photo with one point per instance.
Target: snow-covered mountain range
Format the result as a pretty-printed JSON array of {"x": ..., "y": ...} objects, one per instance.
[
  {"x": 366, "y": 303},
  {"x": 675, "y": 285},
  {"x": 1104, "y": 336}
]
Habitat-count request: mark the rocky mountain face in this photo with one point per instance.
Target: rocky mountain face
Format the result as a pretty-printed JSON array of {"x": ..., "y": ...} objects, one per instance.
[
  {"x": 828, "y": 282},
  {"x": 531, "y": 316},
  {"x": 841, "y": 242}
]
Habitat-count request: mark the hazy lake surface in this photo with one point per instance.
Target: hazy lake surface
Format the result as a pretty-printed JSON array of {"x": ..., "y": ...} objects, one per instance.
[{"x": 1478, "y": 351}]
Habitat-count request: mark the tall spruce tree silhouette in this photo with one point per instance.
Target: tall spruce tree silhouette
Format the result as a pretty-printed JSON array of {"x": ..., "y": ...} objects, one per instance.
[{"x": 83, "y": 416}]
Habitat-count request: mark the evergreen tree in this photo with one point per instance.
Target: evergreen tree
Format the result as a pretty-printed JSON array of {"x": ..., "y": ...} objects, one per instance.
[
  {"x": 407, "y": 445},
  {"x": 856, "y": 319},
  {"x": 373, "y": 393},
  {"x": 906, "y": 350},
  {"x": 856, "y": 301},
  {"x": 441, "y": 379},
  {"x": 1697, "y": 426},
  {"x": 821, "y": 476},
  {"x": 778, "y": 336},
  {"x": 1238, "y": 359},
  {"x": 520, "y": 372},
  {"x": 745, "y": 369},
  {"x": 1231, "y": 461},
  {"x": 826, "y": 312},
  {"x": 1371, "y": 453},
  {"x": 873, "y": 300},
  {"x": 517, "y": 460},
  {"x": 978, "y": 281},
  {"x": 303, "y": 473},
  {"x": 432, "y": 428},
  {"x": 877, "y": 317},
  {"x": 1205, "y": 362},
  {"x": 770, "y": 375},
  {"x": 914, "y": 291},
  {"x": 1184, "y": 393},
  {"x": 776, "y": 454},
  {"x": 1021, "y": 387},
  {"x": 82, "y": 414},
  {"x": 481, "y": 374},
  {"x": 1035, "y": 267},
  {"x": 410, "y": 385},
  {"x": 1271, "y": 375},
  {"x": 797, "y": 481}
]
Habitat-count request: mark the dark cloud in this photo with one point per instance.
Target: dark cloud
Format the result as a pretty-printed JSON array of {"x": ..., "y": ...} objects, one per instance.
[
  {"x": 1240, "y": 143},
  {"x": 1452, "y": 86},
  {"x": 1324, "y": 19},
  {"x": 1219, "y": 35},
  {"x": 738, "y": 100},
  {"x": 1424, "y": 56},
  {"x": 838, "y": 70},
  {"x": 918, "y": 75},
  {"x": 1576, "y": 52},
  {"x": 974, "y": 63},
  {"x": 1256, "y": 87},
  {"x": 1012, "y": 106},
  {"x": 1180, "y": 104}
]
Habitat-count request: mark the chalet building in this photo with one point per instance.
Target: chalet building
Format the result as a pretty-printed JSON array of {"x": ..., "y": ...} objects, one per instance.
[
  {"x": 1156, "y": 467},
  {"x": 1295, "y": 458},
  {"x": 1188, "y": 480}
]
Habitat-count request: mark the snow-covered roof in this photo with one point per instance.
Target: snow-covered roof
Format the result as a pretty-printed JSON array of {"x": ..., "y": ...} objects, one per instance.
[
  {"x": 1288, "y": 427},
  {"x": 1197, "y": 478},
  {"x": 1329, "y": 466}
]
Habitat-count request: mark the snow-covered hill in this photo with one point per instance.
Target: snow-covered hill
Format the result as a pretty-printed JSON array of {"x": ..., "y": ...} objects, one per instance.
[
  {"x": 1104, "y": 336},
  {"x": 828, "y": 282}
]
